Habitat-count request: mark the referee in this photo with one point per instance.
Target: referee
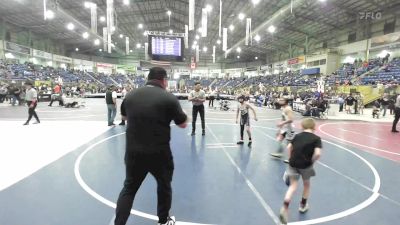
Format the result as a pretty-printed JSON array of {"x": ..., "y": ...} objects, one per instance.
[
  {"x": 149, "y": 111},
  {"x": 31, "y": 97}
]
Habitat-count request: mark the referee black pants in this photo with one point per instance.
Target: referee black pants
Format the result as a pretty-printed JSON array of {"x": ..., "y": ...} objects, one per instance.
[
  {"x": 396, "y": 118},
  {"x": 198, "y": 109},
  {"x": 31, "y": 112},
  {"x": 161, "y": 166}
]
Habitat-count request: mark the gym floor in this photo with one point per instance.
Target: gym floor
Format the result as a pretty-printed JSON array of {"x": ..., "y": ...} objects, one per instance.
[{"x": 69, "y": 170}]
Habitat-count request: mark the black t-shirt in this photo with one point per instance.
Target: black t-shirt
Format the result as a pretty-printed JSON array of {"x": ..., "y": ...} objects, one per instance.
[
  {"x": 149, "y": 111},
  {"x": 303, "y": 149},
  {"x": 350, "y": 100}
]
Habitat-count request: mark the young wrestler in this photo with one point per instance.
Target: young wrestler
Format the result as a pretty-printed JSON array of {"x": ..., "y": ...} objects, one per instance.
[{"x": 243, "y": 110}]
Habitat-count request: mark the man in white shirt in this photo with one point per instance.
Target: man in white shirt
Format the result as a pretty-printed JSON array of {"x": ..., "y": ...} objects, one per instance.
[
  {"x": 396, "y": 114},
  {"x": 31, "y": 97},
  {"x": 111, "y": 100},
  {"x": 198, "y": 97}
]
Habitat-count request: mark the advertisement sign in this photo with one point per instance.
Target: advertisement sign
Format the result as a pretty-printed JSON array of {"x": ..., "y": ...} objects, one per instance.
[
  {"x": 296, "y": 60},
  {"x": 41, "y": 54},
  {"x": 63, "y": 59},
  {"x": 105, "y": 65},
  {"x": 385, "y": 39},
  {"x": 17, "y": 48}
]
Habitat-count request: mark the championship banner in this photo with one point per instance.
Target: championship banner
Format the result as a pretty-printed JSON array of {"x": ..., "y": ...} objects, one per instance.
[
  {"x": 224, "y": 39},
  {"x": 127, "y": 45},
  {"x": 204, "y": 22},
  {"x": 93, "y": 17},
  {"x": 191, "y": 14},
  {"x": 186, "y": 36},
  {"x": 17, "y": 48}
]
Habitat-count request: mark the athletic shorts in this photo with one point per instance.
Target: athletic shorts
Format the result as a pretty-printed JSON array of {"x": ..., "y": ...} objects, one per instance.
[
  {"x": 305, "y": 174},
  {"x": 288, "y": 135},
  {"x": 348, "y": 107}
]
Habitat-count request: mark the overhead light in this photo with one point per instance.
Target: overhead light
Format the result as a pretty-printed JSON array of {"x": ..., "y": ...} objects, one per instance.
[
  {"x": 208, "y": 8},
  {"x": 195, "y": 42},
  {"x": 231, "y": 27},
  {"x": 197, "y": 37},
  {"x": 102, "y": 19},
  {"x": 194, "y": 47},
  {"x": 257, "y": 38},
  {"x": 205, "y": 49},
  {"x": 241, "y": 16},
  {"x": 140, "y": 26},
  {"x": 9, "y": 55},
  {"x": 169, "y": 13},
  {"x": 85, "y": 35},
  {"x": 96, "y": 42},
  {"x": 121, "y": 36},
  {"x": 238, "y": 56},
  {"x": 256, "y": 58},
  {"x": 200, "y": 29},
  {"x": 171, "y": 31},
  {"x": 126, "y": 2},
  {"x": 321, "y": 0},
  {"x": 238, "y": 49},
  {"x": 131, "y": 50},
  {"x": 76, "y": 49},
  {"x": 271, "y": 29},
  {"x": 145, "y": 33},
  {"x": 112, "y": 29},
  {"x": 255, "y": 2},
  {"x": 70, "y": 26},
  {"x": 100, "y": 50},
  {"x": 49, "y": 14},
  {"x": 218, "y": 41},
  {"x": 88, "y": 4},
  {"x": 138, "y": 45}
]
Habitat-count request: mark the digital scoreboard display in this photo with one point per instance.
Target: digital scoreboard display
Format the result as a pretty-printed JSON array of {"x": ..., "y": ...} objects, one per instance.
[{"x": 166, "y": 46}]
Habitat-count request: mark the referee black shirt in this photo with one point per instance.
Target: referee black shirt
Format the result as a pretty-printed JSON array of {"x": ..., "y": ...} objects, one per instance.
[{"x": 149, "y": 111}]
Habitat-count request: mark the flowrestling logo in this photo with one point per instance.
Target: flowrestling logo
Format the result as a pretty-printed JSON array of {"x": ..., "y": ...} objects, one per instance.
[{"x": 370, "y": 15}]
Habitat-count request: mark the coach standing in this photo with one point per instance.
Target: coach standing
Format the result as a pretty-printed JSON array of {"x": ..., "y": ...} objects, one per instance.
[
  {"x": 198, "y": 97},
  {"x": 31, "y": 97},
  {"x": 149, "y": 111},
  {"x": 111, "y": 100},
  {"x": 396, "y": 114}
]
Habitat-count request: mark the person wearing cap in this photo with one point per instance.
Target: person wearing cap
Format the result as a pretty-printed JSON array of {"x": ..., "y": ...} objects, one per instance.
[
  {"x": 31, "y": 97},
  {"x": 243, "y": 110},
  {"x": 149, "y": 111},
  {"x": 198, "y": 97},
  {"x": 111, "y": 101}
]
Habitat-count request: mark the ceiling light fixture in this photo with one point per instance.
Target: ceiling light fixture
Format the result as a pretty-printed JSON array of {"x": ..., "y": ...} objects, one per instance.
[
  {"x": 169, "y": 13},
  {"x": 140, "y": 26},
  {"x": 231, "y": 27},
  {"x": 205, "y": 49},
  {"x": 257, "y": 38},
  {"x": 102, "y": 19},
  {"x": 121, "y": 36},
  {"x": 218, "y": 41},
  {"x": 238, "y": 56},
  {"x": 256, "y": 58},
  {"x": 49, "y": 14},
  {"x": 70, "y": 26},
  {"x": 208, "y": 8},
  {"x": 96, "y": 42},
  {"x": 100, "y": 50},
  {"x": 241, "y": 16},
  {"x": 85, "y": 35},
  {"x": 138, "y": 45},
  {"x": 76, "y": 49},
  {"x": 171, "y": 31},
  {"x": 271, "y": 29},
  {"x": 197, "y": 37},
  {"x": 255, "y": 2},
  {"x": 126, "y": 2},
  {"x": 238, "y": 49}
]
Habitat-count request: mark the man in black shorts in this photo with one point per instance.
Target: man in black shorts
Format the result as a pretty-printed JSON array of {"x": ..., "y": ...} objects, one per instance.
[
  {"x": 149, "y": 111},
  {"x": 349, "y": 103},
  {"x": 304, "y": 150}
]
